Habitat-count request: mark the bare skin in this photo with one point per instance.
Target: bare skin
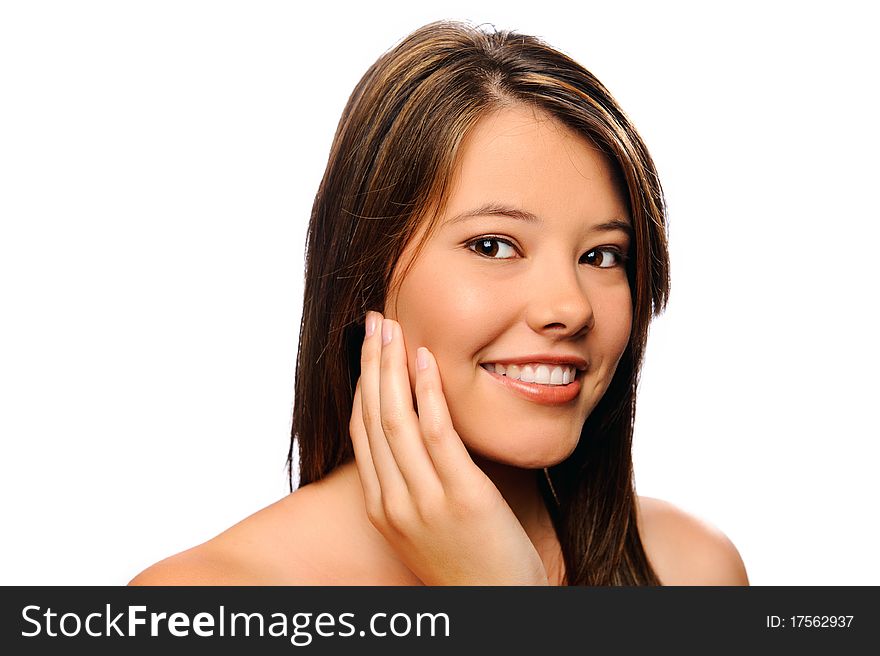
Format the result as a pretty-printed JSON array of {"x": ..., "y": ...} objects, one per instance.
[
  {"x": 489, "y": 286},
  {"x": 291, "y": 543}
]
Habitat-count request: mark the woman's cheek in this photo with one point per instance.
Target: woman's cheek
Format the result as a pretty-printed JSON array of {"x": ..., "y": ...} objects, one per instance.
[
  {"x": 618, "y": 325},
  {"x": 461, "y": 313},
  {"x": 463, "y": 303},
  {"x": 445, "y": 315}
]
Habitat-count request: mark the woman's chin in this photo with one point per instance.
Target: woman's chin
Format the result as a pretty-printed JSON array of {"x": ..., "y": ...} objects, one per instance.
[{"x": 526, "y": 456}]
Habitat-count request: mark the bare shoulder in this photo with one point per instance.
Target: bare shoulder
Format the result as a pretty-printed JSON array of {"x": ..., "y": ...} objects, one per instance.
[
  {"x": 201, "y": 565},
  {"x": 317, "y": 535},
  {"x": 685, "y": 549},
  {"x": 270, "y": 547}
]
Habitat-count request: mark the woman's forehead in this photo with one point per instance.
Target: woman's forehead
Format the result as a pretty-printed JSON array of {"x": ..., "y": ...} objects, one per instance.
[{"x": 530, "y": 162}]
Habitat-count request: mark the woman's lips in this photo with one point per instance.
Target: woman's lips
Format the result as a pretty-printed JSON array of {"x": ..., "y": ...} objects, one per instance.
[{"x": 544, "y": 394}]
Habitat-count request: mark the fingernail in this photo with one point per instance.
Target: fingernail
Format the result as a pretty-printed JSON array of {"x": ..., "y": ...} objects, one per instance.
[
  {"x": 422, "y": 358},
  {"x": 387, "y": 328},
  {"x": 371, "y": 323}
]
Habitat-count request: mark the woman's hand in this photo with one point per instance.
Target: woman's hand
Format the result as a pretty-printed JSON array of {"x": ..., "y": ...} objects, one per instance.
[{"x": 445, "y": 518}]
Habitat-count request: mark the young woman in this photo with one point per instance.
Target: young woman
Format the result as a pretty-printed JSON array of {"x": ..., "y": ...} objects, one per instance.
[{"x": 486, "y": 250}]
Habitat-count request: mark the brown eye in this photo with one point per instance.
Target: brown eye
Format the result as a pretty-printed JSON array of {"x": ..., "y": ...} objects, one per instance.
[
  {"x": 604, "y": 258},
  {"x": 490, "y": 247}
]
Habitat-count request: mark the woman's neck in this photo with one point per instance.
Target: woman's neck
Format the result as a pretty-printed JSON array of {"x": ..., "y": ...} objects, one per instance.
[{"x": 519, "y": 487}]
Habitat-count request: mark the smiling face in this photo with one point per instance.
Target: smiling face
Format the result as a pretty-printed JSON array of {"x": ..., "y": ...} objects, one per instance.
[{"x": 525, "y": 265}]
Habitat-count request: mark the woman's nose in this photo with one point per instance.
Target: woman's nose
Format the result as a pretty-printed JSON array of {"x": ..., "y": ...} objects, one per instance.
[{"x": 558, "y": 301}]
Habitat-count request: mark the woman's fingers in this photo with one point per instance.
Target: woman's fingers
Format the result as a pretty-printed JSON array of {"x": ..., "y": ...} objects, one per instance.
[
  {"x": 439, "y": 528},
  {"x": 362, "y": 456},
  {"x": 452, "y": 463},
  {"x": 400, "y": 423},
  {"x": 388, "y": 474},
  {"x": 402, "y": 455}
]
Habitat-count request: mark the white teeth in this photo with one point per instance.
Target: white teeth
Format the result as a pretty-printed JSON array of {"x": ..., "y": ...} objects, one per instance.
[{"x": 541, "y": 374}]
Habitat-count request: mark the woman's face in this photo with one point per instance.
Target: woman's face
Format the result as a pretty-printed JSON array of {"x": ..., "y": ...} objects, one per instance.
[{"x": 524, "y": 267}]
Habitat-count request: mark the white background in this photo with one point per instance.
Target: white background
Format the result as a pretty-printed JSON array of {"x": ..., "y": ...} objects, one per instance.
[{"x": 158, "y": 161}]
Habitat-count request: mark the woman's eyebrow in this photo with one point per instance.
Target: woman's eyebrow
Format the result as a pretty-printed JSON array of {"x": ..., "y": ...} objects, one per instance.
[
  {"x": 497, "y": 209},
  {"x": 614, "y": 224}
]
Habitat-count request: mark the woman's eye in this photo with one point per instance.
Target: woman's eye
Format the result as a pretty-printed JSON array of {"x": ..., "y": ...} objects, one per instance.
[
  {"x": 491, "y": 246},
  {"x": 605, "y": 258}
]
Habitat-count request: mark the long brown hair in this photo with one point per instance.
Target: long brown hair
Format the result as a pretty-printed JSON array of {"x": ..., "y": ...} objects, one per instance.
[{"x": 389, "y": 170}]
